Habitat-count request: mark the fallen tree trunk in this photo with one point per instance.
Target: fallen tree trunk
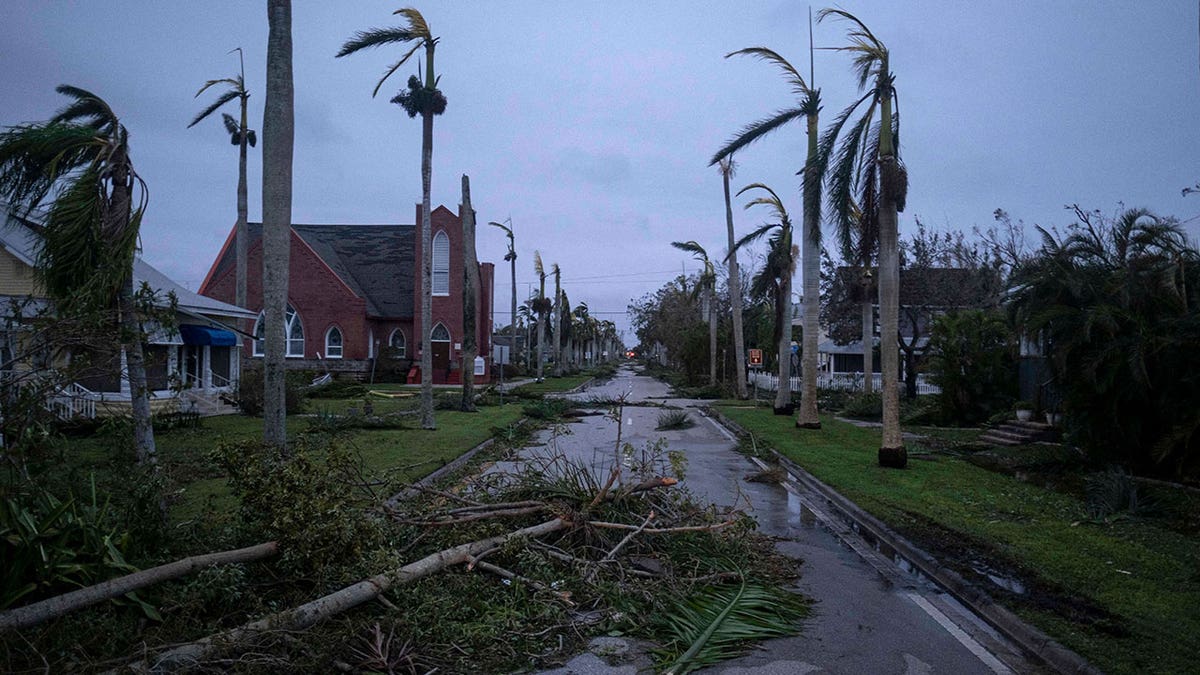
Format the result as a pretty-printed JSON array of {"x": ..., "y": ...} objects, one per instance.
[
  {"x": 339, "y": 601},
  {"x": 52, "y": 608}
]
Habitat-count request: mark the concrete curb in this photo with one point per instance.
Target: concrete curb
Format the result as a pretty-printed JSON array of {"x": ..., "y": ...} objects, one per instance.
[
  {"x": 1024, "y": 635},
  {"x": 448, "y": 468}
]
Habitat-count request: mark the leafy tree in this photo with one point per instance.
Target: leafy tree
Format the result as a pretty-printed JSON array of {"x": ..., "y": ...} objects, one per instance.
[
  {"x": 426, "y": 100},
  {"x": 705, "y": 290},
  {"x": 1116, "y": 305},
  {"x": 808, "y": 108},
  {"x": 775, "y": 278},
  {"x": 872, "y": 168},
  {"x": 80, "y": 161},
  {"x": 973, "y": 363},
  {"x": 279, "y": 131},
  {"x": 241, "y": 135}
]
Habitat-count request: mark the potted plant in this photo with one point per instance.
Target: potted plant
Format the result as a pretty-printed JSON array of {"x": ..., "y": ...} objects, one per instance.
[{"x": 1024, "y": 411}]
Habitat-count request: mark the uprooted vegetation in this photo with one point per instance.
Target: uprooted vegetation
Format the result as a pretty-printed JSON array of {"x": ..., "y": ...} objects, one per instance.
[{"x": 499, "y": 572}]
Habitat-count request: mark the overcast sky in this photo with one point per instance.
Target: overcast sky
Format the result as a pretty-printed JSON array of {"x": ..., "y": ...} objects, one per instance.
[{"x": 591, "y": 124}]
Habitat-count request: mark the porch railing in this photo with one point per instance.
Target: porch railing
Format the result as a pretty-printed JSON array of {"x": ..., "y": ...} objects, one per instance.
[{"x": 72, "y": 401}]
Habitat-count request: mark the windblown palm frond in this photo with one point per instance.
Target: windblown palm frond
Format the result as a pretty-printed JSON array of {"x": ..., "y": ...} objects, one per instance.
[
  {"x": 537, "y": 264},
  {"x": 717, "y": 623},
  {"x": 809, "y": 105},
  {"x": 416, "y": 31}
]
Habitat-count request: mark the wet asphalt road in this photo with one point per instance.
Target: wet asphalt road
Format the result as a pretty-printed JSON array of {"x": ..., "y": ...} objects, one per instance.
[{"x": 869, "y": 616}]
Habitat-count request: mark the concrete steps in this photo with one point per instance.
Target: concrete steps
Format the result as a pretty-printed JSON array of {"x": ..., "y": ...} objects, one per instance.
[{"x": 1015, "y": 432}]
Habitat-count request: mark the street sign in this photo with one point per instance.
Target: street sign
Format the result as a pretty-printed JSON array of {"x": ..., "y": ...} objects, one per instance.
[{"x": 756, "y": 359}]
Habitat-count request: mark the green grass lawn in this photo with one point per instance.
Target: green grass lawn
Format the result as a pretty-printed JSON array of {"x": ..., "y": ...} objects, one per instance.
[
  {"x": 1125, "y": 594},
  {"x": 403, "y": 454},
  {"x": 552, "y": 385}
]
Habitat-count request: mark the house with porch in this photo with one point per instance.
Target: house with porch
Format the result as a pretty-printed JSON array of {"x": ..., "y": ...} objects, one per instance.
[
  {"x": 189, "y": 365},
  {"x": 354, "y": 306}
]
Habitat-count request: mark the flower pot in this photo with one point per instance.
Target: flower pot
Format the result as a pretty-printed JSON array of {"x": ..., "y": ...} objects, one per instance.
[
  {"x": 1054, "y": 419},
  {"x": 1024, "y": 415}
]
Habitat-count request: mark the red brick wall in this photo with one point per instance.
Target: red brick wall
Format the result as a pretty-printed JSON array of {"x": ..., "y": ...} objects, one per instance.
[
  {"x": 448, "y": 309},
  {"x": 317, "y": 294}
]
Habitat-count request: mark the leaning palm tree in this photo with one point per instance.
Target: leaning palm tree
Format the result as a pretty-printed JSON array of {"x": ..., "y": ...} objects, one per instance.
[
  {"x": 808, "y": 107},
  {"x": 79, "y": 161},
  {"x": 706, "y": 292},
  {"x": 241, "y": 135},
  {"x": 279, "y": 130},
  {"x": 426, "y": 100},
  {"x": 868, "y": 163},
  {"x": 541, "y": 306},
  {"x": 775, "y": 279},
  {"x": 727, "y": 167},
  {"x": 511, "y": 257}
]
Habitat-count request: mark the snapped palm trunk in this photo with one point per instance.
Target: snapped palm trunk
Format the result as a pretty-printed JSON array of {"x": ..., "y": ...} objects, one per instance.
[{"x": 470, "y": 299}]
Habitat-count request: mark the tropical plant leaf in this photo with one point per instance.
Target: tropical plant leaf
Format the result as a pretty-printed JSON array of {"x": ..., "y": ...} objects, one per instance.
[{"x": 717, "y": 623}]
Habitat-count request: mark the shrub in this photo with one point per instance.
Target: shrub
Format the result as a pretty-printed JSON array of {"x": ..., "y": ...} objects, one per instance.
[
  {"x": 547, "y": 408},
  {"x": 250, "y": 391},
  {"x": 308, "y": 496},
  {"x": 973, "y": 362},
  {"x": 869, "y": 406}
]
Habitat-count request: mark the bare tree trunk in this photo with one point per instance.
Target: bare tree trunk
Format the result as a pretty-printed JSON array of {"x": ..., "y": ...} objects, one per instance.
[
  {"x": 470, "y": 298},
  {"x": 541, "y": 321},
  {"x": 512, "y": 328},
  {"x": 135, "y": 364},
  {"x": 278, "y": 140},
  {"x": 51, "y": 608},
  {"x": 868, "y": 340},
  {"x": 783, "y": 315},
  {"x": 891, "y": 452},
  {"x": 556, "y": 324},
  {"x": 427, "y": 421},
  {"x": 712, "y": 335},
  {"x": 735, "y": 290},
  {"x": 242, "y": 243},
  {"x": 811, "y": 280},
  {"x": 330, "y": 605}
]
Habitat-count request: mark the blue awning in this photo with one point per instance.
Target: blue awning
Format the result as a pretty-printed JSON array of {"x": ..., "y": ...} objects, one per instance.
[{"x": 203, "y": 335}]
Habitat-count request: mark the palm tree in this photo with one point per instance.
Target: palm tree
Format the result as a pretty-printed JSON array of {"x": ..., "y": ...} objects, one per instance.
[
  {"x": 425, "y": 100},
  {"x": 706, "y": 291},
  {"x": 541, "y": 307},
  {"x": 80, "y": 160},
  {"x": 868, "y": 162},
  {"x": 775, "y": 279},
  {"x": 241, "y": 135},
  {"x": 526, "y": 314},
  {"x": 279, "y": 127},
  {"x": 511, "y": 258},
  {"x": 809, "y": 108},
  {"x": 556, "y": 326},
  {"x": 727, "y": 167}
]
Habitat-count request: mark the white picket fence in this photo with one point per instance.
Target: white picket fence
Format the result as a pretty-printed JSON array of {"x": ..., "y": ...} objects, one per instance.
[{"x": 843, "y": 381}]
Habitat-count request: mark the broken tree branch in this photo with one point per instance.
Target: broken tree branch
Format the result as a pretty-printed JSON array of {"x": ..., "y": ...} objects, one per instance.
[
  {"x": 662, "y": 530},
  {"x": 562, "y": 596},
  {"x": 339, "y": 601},
  {"x": 50, "y": 608}
]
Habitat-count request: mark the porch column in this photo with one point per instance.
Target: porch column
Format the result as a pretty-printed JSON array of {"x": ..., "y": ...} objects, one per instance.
[{"x": 206, "y": 367}]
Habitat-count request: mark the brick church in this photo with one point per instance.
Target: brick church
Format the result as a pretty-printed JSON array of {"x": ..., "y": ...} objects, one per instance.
[{"x": 354, "y": 304}]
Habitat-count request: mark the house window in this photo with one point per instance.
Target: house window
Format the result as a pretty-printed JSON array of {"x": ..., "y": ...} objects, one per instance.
[
  {"x": 333, "y": 343},
  {"x": 441, "y": 264},
  {"x": 293, "y": 330},
  {"x": 439, "y": 334},
  {"x": 398, "y": 344}
]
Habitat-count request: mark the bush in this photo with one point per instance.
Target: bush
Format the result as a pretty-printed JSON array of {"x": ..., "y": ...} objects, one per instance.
[
  {"x": 973, "y": 361},
  {"x": 547, "y": 409},
  {"x": 308, "y": 496},
  {"x": 250, "y": 391},
  {"x": 339, "y": 389},
  {"x": 866, "y": 406}
]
